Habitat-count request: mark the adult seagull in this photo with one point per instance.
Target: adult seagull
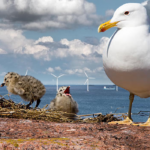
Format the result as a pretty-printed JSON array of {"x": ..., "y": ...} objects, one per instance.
[{"x": 127, "y": 57}]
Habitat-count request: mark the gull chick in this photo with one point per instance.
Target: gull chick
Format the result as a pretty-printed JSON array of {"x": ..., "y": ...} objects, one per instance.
[
  {"x": 27, "y": 87},
  {"x": 64, "y": 101}
]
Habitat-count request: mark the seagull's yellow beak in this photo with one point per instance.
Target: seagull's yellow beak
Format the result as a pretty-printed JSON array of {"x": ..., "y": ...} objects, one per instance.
[{"x": 107, "y": 25}]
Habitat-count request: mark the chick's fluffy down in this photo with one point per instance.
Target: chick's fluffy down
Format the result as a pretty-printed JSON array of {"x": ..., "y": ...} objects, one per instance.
[{"x": 27, "y": 87}]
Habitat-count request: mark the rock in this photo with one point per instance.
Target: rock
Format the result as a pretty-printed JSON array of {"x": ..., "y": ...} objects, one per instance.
[{"x": 22, "y": 134}]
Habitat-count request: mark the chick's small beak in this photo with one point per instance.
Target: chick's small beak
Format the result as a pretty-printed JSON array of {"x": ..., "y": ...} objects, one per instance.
[
  {"x": 67, "y": 91},
  {"x": 107, "y": 25},
  {"x": 2, "y": 84}
]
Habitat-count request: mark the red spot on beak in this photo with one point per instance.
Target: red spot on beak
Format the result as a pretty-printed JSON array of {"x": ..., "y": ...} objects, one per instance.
[{"x": 103, "y": 30}]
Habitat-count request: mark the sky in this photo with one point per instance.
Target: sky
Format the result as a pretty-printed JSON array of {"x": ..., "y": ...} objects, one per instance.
[{"x": 58, "y": 37}]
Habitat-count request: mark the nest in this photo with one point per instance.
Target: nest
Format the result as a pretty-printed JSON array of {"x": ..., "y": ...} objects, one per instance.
[{"x": 9, "y": 109}]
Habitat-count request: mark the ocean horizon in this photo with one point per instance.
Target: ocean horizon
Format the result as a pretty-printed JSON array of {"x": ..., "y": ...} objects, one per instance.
[{"x": 97, "y": 100}]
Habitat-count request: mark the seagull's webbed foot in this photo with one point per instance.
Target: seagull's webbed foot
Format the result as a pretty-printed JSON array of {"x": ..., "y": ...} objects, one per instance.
[
  {"x": 127, "y": 121},
  {"x": 146, "y": 124}
]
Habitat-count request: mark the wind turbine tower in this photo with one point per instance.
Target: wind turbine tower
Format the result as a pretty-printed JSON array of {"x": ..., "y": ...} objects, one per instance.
[
  {"x": 116, "y": 88},
  {"x": 87, "y": 80},
  {"x": 57, "y": 80}
]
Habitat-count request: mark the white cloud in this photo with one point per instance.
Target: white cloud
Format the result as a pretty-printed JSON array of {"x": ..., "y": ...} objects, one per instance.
[
  {"x": 147, "y": 6},
  {"x": 103, "y": 44},
  {"x": 82, "y": 49},
  {"x": 57, "y": 68},
  {"x": 50, "y": 70},
  {"x": 43, "y": 14},
  {"x": 109, "y": 12},
  {"x": 87, "y": 70},
  {"x": 45, "y": 48},
  {"x": 74, "y": 56},
  {"x": 74, "y": 71},
  {"x": 44, "y": 40},
  {"x": 3, "y": 74},
  {"x": 81, "y": 71},
  {"x": 69, "y": 71},
  {"x": 2, "y": 51},
  {"x": 12, "y": 40},
  {"x": 99, "y": 69},
  {"x": 144, "y": 3}
]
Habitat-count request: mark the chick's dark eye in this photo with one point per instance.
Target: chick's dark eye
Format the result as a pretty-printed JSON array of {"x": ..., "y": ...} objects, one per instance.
[{"x": 126, "y": 12}]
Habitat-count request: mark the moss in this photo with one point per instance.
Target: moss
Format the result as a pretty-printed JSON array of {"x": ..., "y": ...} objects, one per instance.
[
  {"x": 45, "y": 143},
  {"x": 20, "y": 140},
  {"x": 63, "y": 139},
  {"x": 94, "y": 146},
  {"x": 16, "y": 142},
  {"x": 12, "y": 142},
  {"x": 16, "y": 145},
  {"x": 55, "y": 141}
]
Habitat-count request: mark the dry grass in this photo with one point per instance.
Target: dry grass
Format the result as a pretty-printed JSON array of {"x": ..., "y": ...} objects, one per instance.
[{"x": 9, "y": 109}]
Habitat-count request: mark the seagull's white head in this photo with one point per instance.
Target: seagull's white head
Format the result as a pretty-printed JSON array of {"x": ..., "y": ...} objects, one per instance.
[{"x": 127, "y": 15}]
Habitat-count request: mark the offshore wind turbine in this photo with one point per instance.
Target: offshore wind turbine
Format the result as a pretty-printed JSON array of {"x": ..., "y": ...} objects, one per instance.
[
  {"x": 26, "y": 72},
  {"x": 87, "y": 80},
  {"x": 57, "y": 79},
  {"x": 116, "y": 88}
]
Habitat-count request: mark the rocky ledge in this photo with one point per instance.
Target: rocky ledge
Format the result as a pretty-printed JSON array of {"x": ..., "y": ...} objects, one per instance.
[{"x": 20, "y": 134}]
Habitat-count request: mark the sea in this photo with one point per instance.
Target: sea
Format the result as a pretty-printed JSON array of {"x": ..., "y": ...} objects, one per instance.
[{"x": 96, "y": 100}]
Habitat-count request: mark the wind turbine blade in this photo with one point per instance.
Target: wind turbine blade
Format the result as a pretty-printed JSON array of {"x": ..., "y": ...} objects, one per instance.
[
  {"x": 86, "y": 74},
  {"x": 91, "y": 78},
  {"x": 26, "y": 72},
  {"x": 61, "y": 75},
  {"x": 53, "y": 75},
  {"x": 86, "y": 81}
]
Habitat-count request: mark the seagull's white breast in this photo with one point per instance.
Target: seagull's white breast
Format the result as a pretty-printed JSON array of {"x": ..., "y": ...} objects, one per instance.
[{"x": 127, "y": 59}]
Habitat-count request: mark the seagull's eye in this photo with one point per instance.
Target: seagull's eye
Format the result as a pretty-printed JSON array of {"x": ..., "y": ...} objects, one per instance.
[{"x": 126, "y": 12}]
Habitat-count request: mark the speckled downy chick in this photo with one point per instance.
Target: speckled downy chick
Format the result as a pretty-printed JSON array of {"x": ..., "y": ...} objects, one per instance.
[
  {"x": 27, "y": 87},
  {"x": 64, "y": 101},
  {"x": 8, "y": 77}
]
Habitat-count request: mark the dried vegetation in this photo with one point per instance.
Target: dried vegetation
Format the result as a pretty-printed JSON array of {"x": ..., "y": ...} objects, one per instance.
[{"x": 9, "y": 109}]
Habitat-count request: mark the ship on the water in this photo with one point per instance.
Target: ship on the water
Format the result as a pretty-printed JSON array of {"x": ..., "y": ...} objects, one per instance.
[{"x": 111, "y": 88}]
